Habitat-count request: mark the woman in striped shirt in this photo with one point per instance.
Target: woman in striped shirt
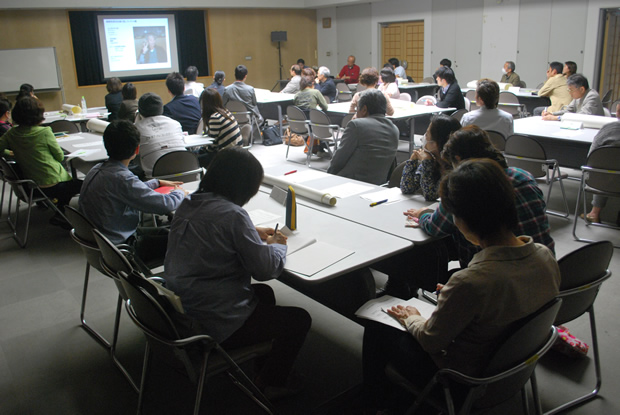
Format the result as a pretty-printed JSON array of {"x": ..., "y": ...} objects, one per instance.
[{"x": 222, "y": 125}]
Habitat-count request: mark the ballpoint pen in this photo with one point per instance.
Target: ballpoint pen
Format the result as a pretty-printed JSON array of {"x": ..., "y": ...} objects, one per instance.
[{"x": 378, "y": 203}]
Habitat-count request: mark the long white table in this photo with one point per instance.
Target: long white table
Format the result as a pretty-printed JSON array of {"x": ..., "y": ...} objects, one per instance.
[
  {"x": 81, "y": 119},
  {"x": 272, "y": 104},
  {"x": 419, "y": 88},
  {"x": 387, "y": 217},
  {"x": 527, "y": 97},
  {"x": 403, "y": 110},
  {"x": 569, "y": 147}
]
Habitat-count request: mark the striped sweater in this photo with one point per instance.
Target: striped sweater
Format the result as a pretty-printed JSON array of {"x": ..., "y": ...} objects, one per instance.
[{"x": 224, "y": 132}]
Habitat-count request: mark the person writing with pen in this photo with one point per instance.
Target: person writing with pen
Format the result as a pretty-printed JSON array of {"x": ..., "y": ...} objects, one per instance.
[
  {"x": 510, "y": 278},
  {"x": 214, "y": 251}
]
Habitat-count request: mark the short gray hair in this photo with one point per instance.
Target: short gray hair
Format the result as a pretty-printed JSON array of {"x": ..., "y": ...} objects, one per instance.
[
  {"x": 511, "y": 65},
  {"x": 324, "y": 70},
  {"x": 374, "y": 100}
]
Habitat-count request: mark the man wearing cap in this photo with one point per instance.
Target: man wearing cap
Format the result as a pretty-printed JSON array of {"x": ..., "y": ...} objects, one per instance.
[
  {"x": 158, "y": 134},
  {"x": 112, "y": 197}
]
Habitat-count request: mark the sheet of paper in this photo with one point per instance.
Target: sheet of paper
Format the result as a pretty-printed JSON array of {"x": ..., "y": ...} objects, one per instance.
[
  {"x": 80, "y": 153},
  {"x": 66, "y": 139},
  {"x": 347, "y": 189},
  {"x": 314, "y": 258},
  {"x": 372, "y": 310},
  {"x": 95, "y": 144},
  {"x": 259, "y": 216},
  {"x": 393, "y": 195},
  {"x": 296, "y": 240},
  {"x": 304, "y": 176}
]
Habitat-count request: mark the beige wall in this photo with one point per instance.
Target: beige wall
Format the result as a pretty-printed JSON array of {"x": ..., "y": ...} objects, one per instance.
[{"x": 234, "y": 34}]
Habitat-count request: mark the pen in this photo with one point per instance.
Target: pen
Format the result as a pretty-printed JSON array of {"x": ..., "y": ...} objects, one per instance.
[
  {"x": 394, "y": 317},
  {"x": 378, "y": 203},
  {"x": 276, "y": 230},
  {"x": 290, "y": 172}
]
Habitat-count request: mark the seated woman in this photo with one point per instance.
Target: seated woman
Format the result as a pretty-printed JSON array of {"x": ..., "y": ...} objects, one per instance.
[
  {"x": 129, "y": 106},
  {"x": 214, "y": 251},
  {"x": 218, "y": 82},
  {"x": 25, "y": 90},
  {"x": 308, "y": 97},
  {"x": 39, "y": 156},
  {"x": 389, "y": 85},
  {"x": 509, "y": 279},
  {"x": 369, "y": 78},
  {"x": 222, "y": 125},
  {"x": 114, "y": 98},
  {"x": 488, "y": 117},
  {"x": 425, "y": 168}
]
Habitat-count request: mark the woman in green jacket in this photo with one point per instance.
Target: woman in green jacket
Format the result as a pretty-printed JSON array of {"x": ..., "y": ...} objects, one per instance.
[{"x": 38, "y": 154}]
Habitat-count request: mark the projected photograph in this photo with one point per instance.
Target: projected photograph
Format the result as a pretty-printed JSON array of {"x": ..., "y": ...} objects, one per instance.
[{"x": 150, "y": 43}]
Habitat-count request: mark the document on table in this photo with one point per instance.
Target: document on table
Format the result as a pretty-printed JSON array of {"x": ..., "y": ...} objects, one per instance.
[
  {"x": 66, "y": 139},
  {"x": 296, "y": 240},
  {"x": 392, "y": 195},
  {"x": 259, "y": 216},
  {"x": 305, "y": 175},
  {"x": 373, "y": 310},
  {"x": 80, "y": 153},
  {"x": 94, "y": 144},
  {"x": 345, "y": 190},
  {"x": 315, "y": 257}
]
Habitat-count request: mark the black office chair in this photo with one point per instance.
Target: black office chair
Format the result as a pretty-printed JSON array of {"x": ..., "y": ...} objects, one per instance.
[
  {"x": 297, "y": 124},
  {"x": 497, "y": 139},
  {"x": 64, "y": 126},
  {"x": 178, "y": 165}
]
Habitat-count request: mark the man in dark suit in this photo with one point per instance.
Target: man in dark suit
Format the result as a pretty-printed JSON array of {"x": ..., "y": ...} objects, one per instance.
[
  {"x": 450, "y": 94},
  {"x": 183, "y": 108},
  {"x": 369, "y": 143}
]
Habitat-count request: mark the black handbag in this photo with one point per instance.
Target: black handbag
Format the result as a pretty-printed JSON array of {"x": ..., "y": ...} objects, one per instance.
[{"x": 271, "y": 135}]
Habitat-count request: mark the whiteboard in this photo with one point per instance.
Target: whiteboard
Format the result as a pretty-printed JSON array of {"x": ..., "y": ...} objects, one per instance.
[{"x": 37, "y": 66}]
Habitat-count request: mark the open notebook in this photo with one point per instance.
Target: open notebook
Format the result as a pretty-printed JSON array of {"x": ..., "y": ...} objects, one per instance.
[{"x": 375, "y": 310}]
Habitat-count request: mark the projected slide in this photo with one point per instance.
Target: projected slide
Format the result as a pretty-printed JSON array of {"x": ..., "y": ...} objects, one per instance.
[{"x": 137, "y": 45}]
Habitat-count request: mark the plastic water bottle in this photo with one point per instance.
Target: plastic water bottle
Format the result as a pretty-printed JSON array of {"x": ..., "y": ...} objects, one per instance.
[{"x": 84, "y": 107}]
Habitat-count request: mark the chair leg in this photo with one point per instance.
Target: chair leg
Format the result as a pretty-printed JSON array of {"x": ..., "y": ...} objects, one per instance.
[
  {"x": 145, "y": 369},
  {"x": 597, "y": 369},
  {"x": 251, "y": 390},
  {"x": 117, "y": 363},
  {"x": 535, "y": 394},
  {"x": 201, "y": 382},
  {"x": 555, "y": 176},
  {"x": 98, "y": 337}
]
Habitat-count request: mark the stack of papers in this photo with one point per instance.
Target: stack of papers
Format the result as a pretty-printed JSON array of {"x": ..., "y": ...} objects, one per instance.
[
  {"x": 375, "y": 310},
  {"x": 392, "y": 195}
]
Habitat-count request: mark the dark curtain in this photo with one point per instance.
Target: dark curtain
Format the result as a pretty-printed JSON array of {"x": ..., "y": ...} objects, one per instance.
[{"x": 191, "y": 44}]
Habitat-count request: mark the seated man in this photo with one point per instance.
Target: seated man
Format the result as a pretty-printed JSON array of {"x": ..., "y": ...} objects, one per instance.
[
  {"x": 191, "y": 86},
  {"x": 473, "y": 142},
  {"x": 158, "y": 134},
  {"x": 325, "y": 85},
  {"x": 488, "y": 117},
  {"x": 585, "y": 100},
  {"x": 350, "y": 72},
  {"x": 293, "y": 85},
  {"x": 240, "y": 91},
  {"x": 112, "y": 197},
  {"x": 183, "y": 108},
  {"x": 450, "y": 94},
  {"x": 555, "y": 89},
  {"x": 368, "y": 146},
  {"x": 511, "y": 278},
  {"x": 509, "y": 76},
  {"x": 399, "y": 71}
]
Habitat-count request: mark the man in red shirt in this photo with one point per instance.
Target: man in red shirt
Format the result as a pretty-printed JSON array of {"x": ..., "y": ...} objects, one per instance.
[{"x": 350, "y": 72}]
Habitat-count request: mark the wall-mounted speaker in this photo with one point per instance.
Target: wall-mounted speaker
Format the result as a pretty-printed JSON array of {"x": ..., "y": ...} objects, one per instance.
[{"x": 278, "y": 36}]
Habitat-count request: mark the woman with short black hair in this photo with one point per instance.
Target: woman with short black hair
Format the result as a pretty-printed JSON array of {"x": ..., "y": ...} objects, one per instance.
[
  {"x": 213, "y": 252},
  {"x": 38, "y": 154},
  {"x": 114, "y": 98},
  {"x": 129, "y": 106},
  {"x": 389, "y": 85}
]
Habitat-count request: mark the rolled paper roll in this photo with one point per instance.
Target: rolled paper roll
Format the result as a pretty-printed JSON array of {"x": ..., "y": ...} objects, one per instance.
[
  {"x": 301, "y": 190},
  {"x": 589, "y": 121},
  {"x": 71, "y": 109},
  {"x": 96, "y": 125}
]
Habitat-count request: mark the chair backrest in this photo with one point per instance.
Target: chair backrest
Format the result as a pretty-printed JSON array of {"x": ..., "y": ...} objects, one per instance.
[
  {"x": 64, "y": 125},
  {"x": 606, "y": 99},
  {"x": 428, "y": 80},
  {"x": 458, "y": 114},
  {"x": 519, "y": 147},
  {"x": 239, "y": 111},
  {"x": 346, "y": 119},
  {"x": 467, "y": 104},
  {"x": 112, "y": 259},
  {"x": 606, "y": 174},
  {"x": 405, "y": 97},
  {"x": 8, "y": 173},
  {"x": 396, "y": 175},
  {"x": 471, "y": 97},
  {"x": 179, "y": 165},
  {"x": 422, "y": 100},
  {"x": 342, "y": 87},
  {"x": 21, "y": 187},
  {"x": 583, "y": 271},
  {"x": 246, "y": 133},
  {"x": 523, "y": 84},
  {"x": 297, "y": 120},
  {"x": 344, "y": 93},
  {"x": 607, "y": 112},
  {"x": 320, "y": 124},
  {"x": 201, "y": 127},
  {"x": 509, "y": 102},
  {"x": 497, "y": 139},
  {"x": 82, "y": 234},
  {"x": 528, "y": 339}
]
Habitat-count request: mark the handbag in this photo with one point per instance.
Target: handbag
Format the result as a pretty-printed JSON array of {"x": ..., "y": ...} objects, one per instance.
[
  {"x": 293, "y": 139},
  {"x": 271, "y": 135}
]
